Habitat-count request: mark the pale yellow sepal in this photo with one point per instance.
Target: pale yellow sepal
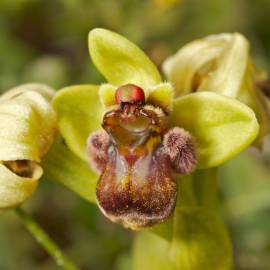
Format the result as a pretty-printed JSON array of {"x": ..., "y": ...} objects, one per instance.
[
  {"x": 15, "y": 189},
  {"x": 27, "y": 126},
  {"x": 27, "y": 129}
]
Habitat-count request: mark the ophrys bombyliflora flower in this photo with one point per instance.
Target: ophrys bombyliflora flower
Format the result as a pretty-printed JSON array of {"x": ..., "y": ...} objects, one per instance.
[{"x": 150, "y": 134}]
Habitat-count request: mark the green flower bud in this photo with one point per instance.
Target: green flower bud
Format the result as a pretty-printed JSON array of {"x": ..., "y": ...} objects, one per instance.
[{"x": 27, "y": 127}]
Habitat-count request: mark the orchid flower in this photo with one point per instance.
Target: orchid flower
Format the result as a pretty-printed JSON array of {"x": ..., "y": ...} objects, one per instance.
[{"x": 135, "y": 145}]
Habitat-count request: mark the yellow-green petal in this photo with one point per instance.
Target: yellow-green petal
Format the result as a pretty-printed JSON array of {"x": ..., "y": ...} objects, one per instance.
[
  {"x": 15, "y": 189},
  {"x": 107, "y": 95},
  {"x": 79, "y": 112},
  {"x": 222, "y": 126},
  {"x": 162, "y": 95},
  {"x": 121, "y": 61}
]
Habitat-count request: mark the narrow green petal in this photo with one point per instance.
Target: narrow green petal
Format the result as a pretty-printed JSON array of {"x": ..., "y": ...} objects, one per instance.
[
  {"x": 79, "y": 113},
  {"x": 15, "y": 189},
  {"x": 63, "y": 167},
  {"x": 120, "y": 61},
  {"x": 222, "y": 127},
  {"x": 162, "y": 95}
]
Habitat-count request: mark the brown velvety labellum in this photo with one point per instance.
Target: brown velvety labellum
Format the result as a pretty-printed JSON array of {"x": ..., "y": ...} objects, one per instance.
[{"x": 137, "y": 191}]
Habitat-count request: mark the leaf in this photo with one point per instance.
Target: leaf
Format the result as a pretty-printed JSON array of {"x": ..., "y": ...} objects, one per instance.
[
  {"x": 221, "y": 64},
  {"x": 231, "y": 66},
  {"x": 79, "y": 113},
  {"x": 200, "y": 241},
  {"x": 63, "y": 167},
  {"x": 151, "y": 252},
  {"x": 120, "y": 61},
  {"x": 222, "y": 127}
]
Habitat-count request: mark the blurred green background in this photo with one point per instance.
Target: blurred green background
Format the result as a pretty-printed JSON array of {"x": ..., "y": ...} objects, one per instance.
[{"x": 46, "y": 41}]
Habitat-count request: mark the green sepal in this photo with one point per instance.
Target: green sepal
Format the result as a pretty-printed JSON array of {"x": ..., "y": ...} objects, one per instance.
[
  {"x": 79, "y": 113},
  {"x": 120, "y": 61},
  {"x": 222, "y": 127},
  {"x": 61, "y": 166}
]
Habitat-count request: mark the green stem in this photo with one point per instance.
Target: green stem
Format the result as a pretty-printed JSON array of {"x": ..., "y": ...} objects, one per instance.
[{"x": 45, "y": 241}]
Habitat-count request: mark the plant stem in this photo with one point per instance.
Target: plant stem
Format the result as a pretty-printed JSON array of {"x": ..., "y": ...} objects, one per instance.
[{"x": 45, "y": 241}]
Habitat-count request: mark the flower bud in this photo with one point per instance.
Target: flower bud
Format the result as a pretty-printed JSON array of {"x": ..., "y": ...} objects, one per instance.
[
  {"x": 220, "y": 63},
  {"x": 27, "y": 127}
]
